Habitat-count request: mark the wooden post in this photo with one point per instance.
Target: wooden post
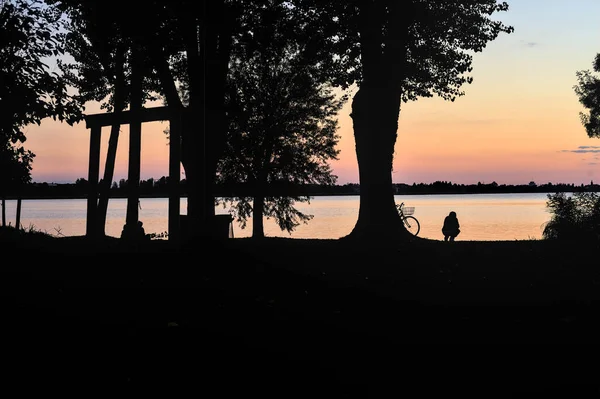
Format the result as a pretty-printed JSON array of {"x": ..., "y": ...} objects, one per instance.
[
  {"x": 134, "y": 118},
  {"x": 3, "y": 212},
  {"x": 135, "y": 143},
  {"x": 93, "y": 173},
  {"x": 174, "y": 173},
  {"x": 18, "y": 221}
]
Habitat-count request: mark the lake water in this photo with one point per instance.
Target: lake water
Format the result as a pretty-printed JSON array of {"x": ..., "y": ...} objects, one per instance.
[{"x": 483, "y": 217}]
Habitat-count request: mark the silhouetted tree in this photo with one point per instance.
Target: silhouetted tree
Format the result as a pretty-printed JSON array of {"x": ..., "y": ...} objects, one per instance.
[
  {"x": 575, "y": 217},
  {"x": 588, "y": 91},
  {"x": 188, "y": 45},
  {"x": 15, "y": 165},
  {"x": 282, "y": 122},
  {"x": 407, "y": 49},
  {"x": 30, "y": 90},
  {"x": 81, "y": 182}
]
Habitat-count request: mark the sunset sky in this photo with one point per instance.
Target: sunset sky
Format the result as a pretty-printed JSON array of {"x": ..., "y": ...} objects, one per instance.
[{"x": 518, "y": 122}]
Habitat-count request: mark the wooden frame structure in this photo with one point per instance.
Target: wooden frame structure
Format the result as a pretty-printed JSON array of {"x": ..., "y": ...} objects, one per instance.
[{"x": 134, "y": 119}]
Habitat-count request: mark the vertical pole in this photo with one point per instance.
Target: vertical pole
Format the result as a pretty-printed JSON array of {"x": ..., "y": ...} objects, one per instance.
[
  {"x": 135, "y": 143},
  {"x": 174, "y": 173},
  {"x": 18, "y": 221},
  {"x": 93, "y": 173},
  {"x": 3, "y": 212}
]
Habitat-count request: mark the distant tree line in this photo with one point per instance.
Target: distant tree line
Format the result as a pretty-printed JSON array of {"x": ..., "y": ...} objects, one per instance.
[
  {"x": 159, "y": 188},
  {"x": 148, "y": 188},
  {"x": 446, "y": 187}
]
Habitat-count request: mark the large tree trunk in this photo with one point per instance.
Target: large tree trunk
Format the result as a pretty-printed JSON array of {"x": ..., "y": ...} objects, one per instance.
[
  {"x": 135, "y": 129},
  {"x": 220, "y": 31},
  {"x": 203, "y": 142},
  {"x": 375, "y": 112},
  {"x": 207, "y": 48}
]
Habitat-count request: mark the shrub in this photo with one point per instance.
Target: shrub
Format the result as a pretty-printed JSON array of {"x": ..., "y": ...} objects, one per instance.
[{"x": 575, "y": 217}]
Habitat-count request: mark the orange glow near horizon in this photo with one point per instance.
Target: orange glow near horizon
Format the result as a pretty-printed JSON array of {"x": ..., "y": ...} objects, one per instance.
[{"x": 518, "y": 122}]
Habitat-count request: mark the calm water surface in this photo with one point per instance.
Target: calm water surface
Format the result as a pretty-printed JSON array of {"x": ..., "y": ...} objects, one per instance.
[{"x": 483, "y": 217}]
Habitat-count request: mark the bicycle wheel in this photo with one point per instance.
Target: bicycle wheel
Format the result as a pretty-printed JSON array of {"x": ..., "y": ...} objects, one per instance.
[{"x": 412, "y": 225}]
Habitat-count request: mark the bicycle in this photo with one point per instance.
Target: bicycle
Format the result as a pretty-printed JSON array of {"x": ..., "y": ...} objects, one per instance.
[{"x": 410, "y": 222}]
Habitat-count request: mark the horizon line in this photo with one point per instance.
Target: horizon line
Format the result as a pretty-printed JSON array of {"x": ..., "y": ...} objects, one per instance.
[{"x": 408, "y": 184}]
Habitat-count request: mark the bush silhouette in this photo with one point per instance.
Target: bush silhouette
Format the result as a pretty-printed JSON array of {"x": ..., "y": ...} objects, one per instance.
[{"x": 575, "y": 217}]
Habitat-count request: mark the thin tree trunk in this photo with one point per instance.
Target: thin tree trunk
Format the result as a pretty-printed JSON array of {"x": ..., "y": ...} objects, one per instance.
[
  {"x": 258, "y": 225},
  {"x": 261, "y": 169},
  {"x": 3, "y": 211}
]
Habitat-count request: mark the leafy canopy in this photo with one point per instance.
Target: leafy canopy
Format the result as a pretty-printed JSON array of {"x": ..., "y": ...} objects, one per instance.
[
  {"x": 15, "y": 164},
  {"x": 588, "y": 91},
  {"x": 282, "y": 118},
  {"x": 421, "y": 48},
  {"x": 32, "y": 36}
]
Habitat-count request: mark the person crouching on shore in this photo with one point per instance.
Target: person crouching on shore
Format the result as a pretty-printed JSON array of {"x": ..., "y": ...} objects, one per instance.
[{"x": 451, "y": 227}]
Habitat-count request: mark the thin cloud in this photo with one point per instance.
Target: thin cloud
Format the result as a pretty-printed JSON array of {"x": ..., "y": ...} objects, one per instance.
[
  {"x": 459, "y": 122},
  {"x": 530, "y": 44},
  {"x": 585, "y": 149},
  {"x": 489, "y": 121}
]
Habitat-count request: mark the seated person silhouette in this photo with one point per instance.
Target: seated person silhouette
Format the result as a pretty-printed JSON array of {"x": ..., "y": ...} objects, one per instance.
[{"x": 451, "y": 227}]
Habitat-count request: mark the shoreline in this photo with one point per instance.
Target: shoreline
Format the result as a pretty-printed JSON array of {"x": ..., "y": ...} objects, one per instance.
[{"x": 12, "y": 198}]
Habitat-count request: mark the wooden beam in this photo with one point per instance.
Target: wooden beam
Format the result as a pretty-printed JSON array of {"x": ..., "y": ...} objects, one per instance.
[{"x": 127, "y": 117}]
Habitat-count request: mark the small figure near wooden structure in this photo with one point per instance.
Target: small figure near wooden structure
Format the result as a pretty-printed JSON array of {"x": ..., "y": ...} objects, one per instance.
[
  {"x": 135, "y": 120},
  {"x": 134, "y": 233}
]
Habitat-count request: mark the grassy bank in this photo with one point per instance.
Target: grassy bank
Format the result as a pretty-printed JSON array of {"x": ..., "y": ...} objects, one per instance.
[{"x": 304, "y": 318}]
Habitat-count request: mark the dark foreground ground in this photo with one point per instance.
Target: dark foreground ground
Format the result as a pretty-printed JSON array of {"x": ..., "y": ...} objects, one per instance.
[{"x": 300, "y": 318}]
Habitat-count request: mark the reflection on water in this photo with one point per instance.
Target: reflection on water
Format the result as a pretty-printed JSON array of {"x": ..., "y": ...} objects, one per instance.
[
  {"x": 67, "y": 216},
  {"x": 483, "y": 217}
]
